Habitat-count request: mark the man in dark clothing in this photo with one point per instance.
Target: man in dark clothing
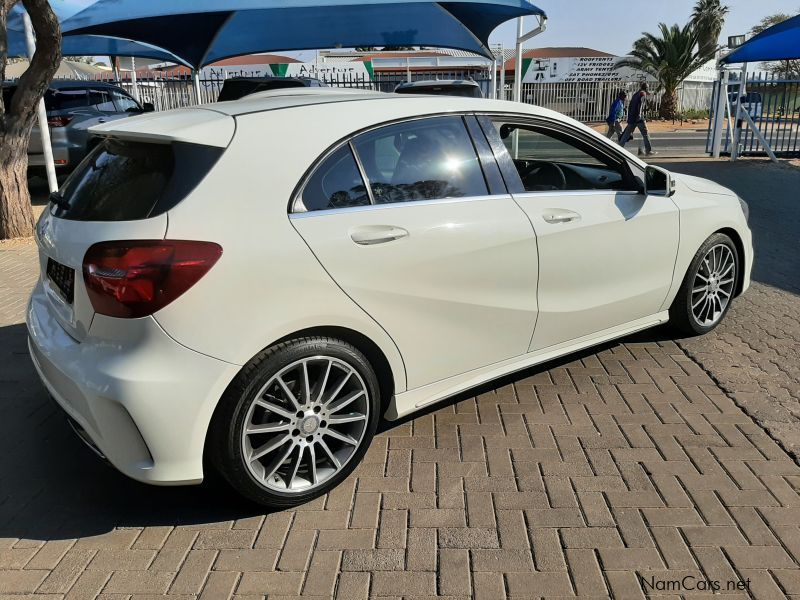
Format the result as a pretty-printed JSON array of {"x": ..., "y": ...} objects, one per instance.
[
  {"x": 636, "y": 119},
  {"x": 615, "y": 115}
]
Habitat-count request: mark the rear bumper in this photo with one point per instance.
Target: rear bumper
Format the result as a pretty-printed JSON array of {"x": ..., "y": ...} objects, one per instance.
[{"x": 143, "y": 400}]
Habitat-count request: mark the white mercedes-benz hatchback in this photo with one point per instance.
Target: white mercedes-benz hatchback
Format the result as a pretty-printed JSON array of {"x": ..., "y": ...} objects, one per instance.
[{"x": 251, "y": 286}]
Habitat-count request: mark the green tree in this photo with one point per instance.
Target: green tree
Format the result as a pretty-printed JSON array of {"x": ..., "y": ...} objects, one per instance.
[
  {"x": 16, "y": 119},
  {"x": 782, "y": 68},
  {"x": 708, "y": 18},
  {"x": 670, "y": 58}
]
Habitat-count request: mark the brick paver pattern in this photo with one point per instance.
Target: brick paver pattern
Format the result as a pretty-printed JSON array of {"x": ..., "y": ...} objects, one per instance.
[{"x": 619, "y": 468}]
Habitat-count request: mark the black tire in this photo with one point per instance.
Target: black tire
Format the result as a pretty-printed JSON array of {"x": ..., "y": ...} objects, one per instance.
[
  {"x": 680, "y": 313},
  {"x": 224, "y": 448}
]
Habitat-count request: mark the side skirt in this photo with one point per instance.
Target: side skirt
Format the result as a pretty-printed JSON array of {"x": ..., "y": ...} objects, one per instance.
[{"x": 408, "y": 402}]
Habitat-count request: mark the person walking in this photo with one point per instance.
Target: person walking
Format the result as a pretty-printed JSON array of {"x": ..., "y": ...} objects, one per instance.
[
  {"x": 636, "y": 120},
  {"x": 614, "y": 118}
]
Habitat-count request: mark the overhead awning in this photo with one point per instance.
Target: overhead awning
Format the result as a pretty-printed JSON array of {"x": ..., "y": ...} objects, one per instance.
[
  {"x": 205, "y": 31},
  {"x": 779, "y": 42},
  {"x": 82, "y": 45}
]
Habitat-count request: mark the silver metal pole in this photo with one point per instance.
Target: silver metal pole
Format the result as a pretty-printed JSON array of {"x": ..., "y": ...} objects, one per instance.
[
  {"x": 493, "y": 80},
  {"x": 41, "y": 113},
  {"x": 737, "y": 131},
  {"x": 134, "y": 87},
  {"x": 719, "y": 114},
  {"x": 196, "y": 80},
  {"x": 502, "y": 73},
  {"x": 518, "y": 66}
]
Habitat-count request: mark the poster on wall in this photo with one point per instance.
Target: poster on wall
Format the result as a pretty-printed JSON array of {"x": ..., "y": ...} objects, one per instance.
[
  {"x": 330, "y": 73},
  {"x": 600, "y": 68}
]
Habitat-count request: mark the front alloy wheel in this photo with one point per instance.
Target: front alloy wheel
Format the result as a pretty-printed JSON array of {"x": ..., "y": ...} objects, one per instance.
[
  {"x": 296, "y": 421},
  {"x": 708, "y": 287}
]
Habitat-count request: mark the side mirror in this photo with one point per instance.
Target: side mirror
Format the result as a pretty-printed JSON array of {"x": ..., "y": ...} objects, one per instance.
[
  {"x": 658, "y": 182},
  {"x": 148, "y": 107}
]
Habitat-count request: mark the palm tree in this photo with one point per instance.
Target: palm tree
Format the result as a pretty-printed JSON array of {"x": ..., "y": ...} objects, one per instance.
[
  {"x": 669, "y": 58},
  {"x": 708, "y": 18}
]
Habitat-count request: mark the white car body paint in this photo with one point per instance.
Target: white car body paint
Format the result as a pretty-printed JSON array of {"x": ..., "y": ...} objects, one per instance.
[{"x": 479, "y": 288}]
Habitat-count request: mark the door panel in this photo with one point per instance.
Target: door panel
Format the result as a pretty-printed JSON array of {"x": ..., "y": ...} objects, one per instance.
[
  {"x": 605, "y": 258},
  {"x": 453, "y": 282}
]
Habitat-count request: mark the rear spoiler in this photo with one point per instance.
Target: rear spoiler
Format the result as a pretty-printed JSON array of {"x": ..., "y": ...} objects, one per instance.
[{"x": 196, "y": 125}]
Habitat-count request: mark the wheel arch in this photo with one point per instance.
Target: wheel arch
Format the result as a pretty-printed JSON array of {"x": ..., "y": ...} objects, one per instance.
[{"x": 737, "y": 241}]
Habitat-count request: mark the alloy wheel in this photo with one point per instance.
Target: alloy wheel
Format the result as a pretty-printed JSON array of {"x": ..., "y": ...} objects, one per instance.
[
  {"x": 713, "y": 285},
  {"x": 305, "y": 424}
]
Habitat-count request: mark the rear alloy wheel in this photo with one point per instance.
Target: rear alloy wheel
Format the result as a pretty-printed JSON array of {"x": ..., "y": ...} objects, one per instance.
[
  {"x": 708, "y": 288},
  {"x": 300, "y": 424}
]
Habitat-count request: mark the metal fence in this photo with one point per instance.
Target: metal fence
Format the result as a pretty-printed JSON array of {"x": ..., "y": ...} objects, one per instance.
[
  {"x": 585, "y": 101},
  {"x": 774, "y": 105}
]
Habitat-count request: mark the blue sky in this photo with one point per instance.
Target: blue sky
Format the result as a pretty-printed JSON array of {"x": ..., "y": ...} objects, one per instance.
[{"x": 613, "y": 25}]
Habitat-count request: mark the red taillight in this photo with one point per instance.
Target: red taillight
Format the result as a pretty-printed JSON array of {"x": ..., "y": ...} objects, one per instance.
[
  {"x": 59, "y": 121},
  {"x": 131, "y": 279}
]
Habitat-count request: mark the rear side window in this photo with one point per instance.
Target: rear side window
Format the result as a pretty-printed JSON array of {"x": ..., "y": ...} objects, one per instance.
[
  {"x": 425, "y": 159},
  {"x": 126, "y": 181},
  {"x": 337, "y": 183}
]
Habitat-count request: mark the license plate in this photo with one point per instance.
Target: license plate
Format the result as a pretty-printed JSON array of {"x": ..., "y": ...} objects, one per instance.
[{"x": 63, "y": 278}]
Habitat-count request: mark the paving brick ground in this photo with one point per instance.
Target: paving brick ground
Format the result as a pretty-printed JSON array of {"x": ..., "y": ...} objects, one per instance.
[{"x": 622, "y": 469}]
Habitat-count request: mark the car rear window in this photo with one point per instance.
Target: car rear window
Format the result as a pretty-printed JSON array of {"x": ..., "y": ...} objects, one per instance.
[
  {"x": 127, "y": 181},
  {"x": 65, "y": 99},
  {"x": 463, "y": 91}
]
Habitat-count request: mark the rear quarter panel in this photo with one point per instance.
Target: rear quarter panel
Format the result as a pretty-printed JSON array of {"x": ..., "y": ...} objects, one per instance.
[{"x": 268, "y": 284}]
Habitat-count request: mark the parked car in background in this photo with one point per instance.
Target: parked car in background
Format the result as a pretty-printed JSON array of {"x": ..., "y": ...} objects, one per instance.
[
  {"x": 752, "y": 103},
  {"x": 463, "y": 88},
  {"x": 258, "y": 283},
  {"x": 72, "y": 107},
  {"x": 239, "y": 87}
]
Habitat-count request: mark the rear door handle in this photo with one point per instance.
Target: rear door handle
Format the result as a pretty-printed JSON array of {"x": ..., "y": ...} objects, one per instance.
[
  {"x": 369, "y": 235},
  {"x": 557, "y": 215}
]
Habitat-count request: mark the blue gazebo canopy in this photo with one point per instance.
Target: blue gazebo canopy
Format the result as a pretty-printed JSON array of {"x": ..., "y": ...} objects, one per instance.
[
  {"x": 82, "y": 45},
  {"x": 205, "y": 31},
  {"x": 779, "y": 42}
]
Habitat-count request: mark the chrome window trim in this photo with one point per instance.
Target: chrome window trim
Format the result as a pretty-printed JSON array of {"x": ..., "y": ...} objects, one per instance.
[
  {"x": 576, "y": 193},
  {"x": 410, "y": 204},
  {"x": 296, "y": 205}
]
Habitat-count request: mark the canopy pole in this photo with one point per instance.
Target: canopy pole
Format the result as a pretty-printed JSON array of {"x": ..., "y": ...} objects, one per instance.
[
  {"x": 41, "y": 113},
  {"x": 737, "y": 122},
  {"x": 114, "y": 68},
  {"x": 493, "y": 80},
  {"x": 719, "y": 113},
  {"x": 518, "y": 66},
  {"x": 196, "y": 80},
  {"x": 502, "y": 73},
  {"x": 134, "y": 84}
]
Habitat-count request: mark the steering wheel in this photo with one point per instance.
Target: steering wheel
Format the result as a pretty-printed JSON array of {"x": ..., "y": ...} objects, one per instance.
[{"x": 547, "y": 175}]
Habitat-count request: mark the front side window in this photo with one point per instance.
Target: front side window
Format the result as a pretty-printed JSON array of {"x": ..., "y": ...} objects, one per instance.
[
  {"x": 101, "y": 100},
  {"x": 550, "y": 159},
  {"x": 425, "y": 159},
  {"x": 125, "y": 103},
  {"x": 336, "y": 183}
]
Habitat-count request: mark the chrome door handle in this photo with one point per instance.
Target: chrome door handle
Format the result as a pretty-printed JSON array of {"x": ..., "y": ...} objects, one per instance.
[
  {"x": 560, "y": 216},
  {"x": 370, "y": 235}
]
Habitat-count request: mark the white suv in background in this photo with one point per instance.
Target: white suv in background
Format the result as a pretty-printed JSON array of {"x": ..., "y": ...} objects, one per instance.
[{"x": 259, "y": 282}]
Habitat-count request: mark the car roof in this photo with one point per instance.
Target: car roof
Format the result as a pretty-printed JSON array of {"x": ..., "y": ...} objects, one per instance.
[
  {"x": 439, "y": 82},
  {"x": 59, "y": 84}
]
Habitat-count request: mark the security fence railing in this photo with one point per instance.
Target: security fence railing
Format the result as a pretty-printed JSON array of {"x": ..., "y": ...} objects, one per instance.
[
  {"x": 774, "y": 105},
  {"x": 585, "y": 101}
]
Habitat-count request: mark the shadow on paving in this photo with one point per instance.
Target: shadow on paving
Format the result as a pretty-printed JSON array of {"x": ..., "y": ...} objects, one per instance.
[
  {"x": 52, "y": 487},
  {"x": 772, "y": 192}
]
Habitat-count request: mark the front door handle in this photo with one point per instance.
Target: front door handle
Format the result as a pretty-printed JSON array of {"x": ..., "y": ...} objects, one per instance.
[
  {"x": 554, "y": 215},
  {"x": 369, "y": 235}
]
